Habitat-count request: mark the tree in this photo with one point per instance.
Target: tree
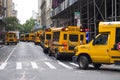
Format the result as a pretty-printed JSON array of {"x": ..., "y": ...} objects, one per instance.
[
  {"x": 20, "y": 28},
  {"x": 28, "y": 26},
  {"x": 11, "y": 23}
]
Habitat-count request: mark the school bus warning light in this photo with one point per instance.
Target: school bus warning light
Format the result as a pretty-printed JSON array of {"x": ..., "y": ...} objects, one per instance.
[{"x": 118, "y": 46}]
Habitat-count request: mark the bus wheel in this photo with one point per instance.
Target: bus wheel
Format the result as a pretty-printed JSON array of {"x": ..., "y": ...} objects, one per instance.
[
  {"x": 45, "y": 50},
  {"x": 7, "y": 43},
  {"x": 57, "y": 56},
  {"x": 97, "y": 65},
  {"x": 49, "y": 53},
  {"x": 35, "y": 43},
  {"x": 16, "y": 43},
  {"x": 83, "y": 62}
]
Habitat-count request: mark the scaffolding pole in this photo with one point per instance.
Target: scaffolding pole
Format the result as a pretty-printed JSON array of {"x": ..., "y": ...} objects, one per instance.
[
  {"x": 115, "y": 10},
  {"x": 112, "y": 10},
  {"x": 88, "y": 21},
  {"x": 105, "y": 11},
  {"x": 95, "y": 30}
]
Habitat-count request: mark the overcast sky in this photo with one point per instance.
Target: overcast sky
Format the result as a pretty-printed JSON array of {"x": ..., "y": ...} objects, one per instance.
[{"x": 25, "y": 8}]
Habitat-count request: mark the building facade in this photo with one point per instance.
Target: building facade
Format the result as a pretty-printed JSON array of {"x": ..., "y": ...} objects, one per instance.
[
  {"x": 89, "y": 13},
  {"x": 9, "y": 8},
  {"x": 48, "y": 13},
  {"x": 39, "y": 12},
  {"x": 14, "y": 12},
  {"x": 6, "y": 10},
  {"x": 44, "y": 11},
  {"x": 2, "y": 20}
]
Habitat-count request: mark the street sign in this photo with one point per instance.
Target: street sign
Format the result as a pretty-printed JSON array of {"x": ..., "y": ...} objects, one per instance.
[
  {"x": 118, "y": 46},
  {"x": 77, "y": 15}
]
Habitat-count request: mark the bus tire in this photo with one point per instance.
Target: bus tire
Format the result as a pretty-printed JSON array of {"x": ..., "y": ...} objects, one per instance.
[
  {"x": 49, "y": 53},
  {"x": 45, "y": 51},
  {"x": 97, "y": 65},
  {"x": 83, "y": 62},
  {"x": 16, "y": 43},
  {"x": 7, "y": 43},
  {"x": 35, "y": 43},
  {"x": 57, "y": 56}
]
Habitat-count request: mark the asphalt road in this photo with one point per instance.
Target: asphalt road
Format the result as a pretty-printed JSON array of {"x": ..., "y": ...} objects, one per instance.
[{"x": 26, "y": 61}]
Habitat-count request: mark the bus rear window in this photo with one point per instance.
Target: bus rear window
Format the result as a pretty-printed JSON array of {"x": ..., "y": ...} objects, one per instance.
[
  {"x": 11, "y": 35},
  {"x": 56, "y": 36},
  {"x": 38, "y": 35},
  {"x": 73, "y": 38},
  {"x": 27, "y": 35},
  {"x": 81, "y": 37},
  {"x": 48, "y": 36}
]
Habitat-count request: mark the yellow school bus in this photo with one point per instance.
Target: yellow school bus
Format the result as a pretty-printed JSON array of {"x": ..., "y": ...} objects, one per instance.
[
  {"x": 11, "y": 37},
  {"x": 22, "y": 37},
  {"x": 103, "y": 49},
  {"x": 47, "y": 39},
  {"x": 65, "y": 39},
  {"x": 27, "y": 37},
  {"x": 37, "y": 38},
  {"x": 31, "y": 37}
]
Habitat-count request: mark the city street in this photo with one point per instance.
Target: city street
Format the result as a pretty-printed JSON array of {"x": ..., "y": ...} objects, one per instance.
[{"x": 26, "y": 61}]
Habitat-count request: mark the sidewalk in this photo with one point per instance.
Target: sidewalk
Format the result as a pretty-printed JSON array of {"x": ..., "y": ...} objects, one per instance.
[{"x": 1, "y": 46}]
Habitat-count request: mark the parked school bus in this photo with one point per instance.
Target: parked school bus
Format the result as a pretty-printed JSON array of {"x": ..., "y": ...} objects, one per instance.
[
  {"x": 47, "y": 39},
  {"x": 104, "y": 49},
  {"x": 10, "y": 38},
  {"x": 37, "y": 38},
  {"x": 22, "y": 37},
  {"x": 64, "y": 40},
  {"x": 31, "y": 37},
  {"x": 27, "y": 37}
]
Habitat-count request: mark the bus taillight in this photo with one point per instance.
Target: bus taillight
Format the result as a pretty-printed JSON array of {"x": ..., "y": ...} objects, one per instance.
[{"x": 64, "y": 45}]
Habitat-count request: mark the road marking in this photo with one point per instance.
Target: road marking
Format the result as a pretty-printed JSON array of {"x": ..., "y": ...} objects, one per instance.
[
  {"x": 34, "y": 65},
  {"x": 30, "y": 45},
  {"x": 23, "y": 76},
  {"x": 64, "y": 65},
  {"x": 74, "y": 64},
  {"x": 3, "y": 66},
  {"x": 50, "y": 65},
  {"x": 10, "y": 54},
  {"x": 3, "y": 47},
  {"x": 19, "y": 65}
]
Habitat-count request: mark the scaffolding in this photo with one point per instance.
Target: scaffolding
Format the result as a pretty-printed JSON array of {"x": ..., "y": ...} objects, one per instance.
[
  {"x": 91, "y": 13},
  {"x": 94, "y": 11}
]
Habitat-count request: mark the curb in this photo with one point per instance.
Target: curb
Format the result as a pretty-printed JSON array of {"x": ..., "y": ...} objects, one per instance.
[{"x": 1, "y": 46}]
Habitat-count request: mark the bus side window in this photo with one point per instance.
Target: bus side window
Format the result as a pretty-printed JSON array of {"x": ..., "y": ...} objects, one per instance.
[
  {"x": 117, "y": 35},
  {"x": 101, "y": 40},
  {"x": 56, "y": 36},
  {"x": 81, "y": 39}
]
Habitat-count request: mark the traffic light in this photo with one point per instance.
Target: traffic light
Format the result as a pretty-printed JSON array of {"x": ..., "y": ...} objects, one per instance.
[
  {"x": 87, "y": 36},
  {"x": 87, "y": 30}
]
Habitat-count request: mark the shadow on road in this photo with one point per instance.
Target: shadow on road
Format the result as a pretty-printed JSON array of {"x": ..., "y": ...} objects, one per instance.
[{"x": 101, "y": 69}]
